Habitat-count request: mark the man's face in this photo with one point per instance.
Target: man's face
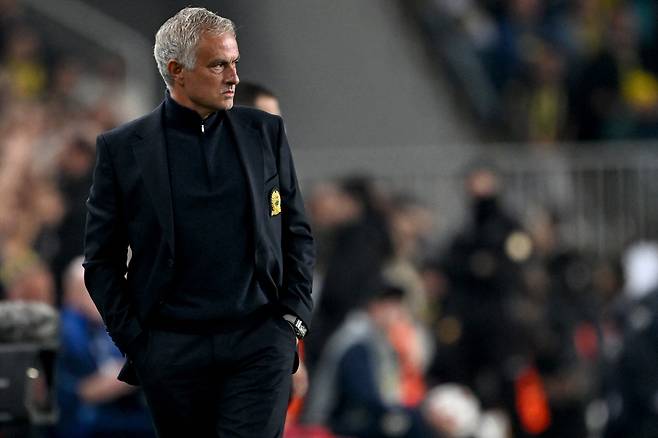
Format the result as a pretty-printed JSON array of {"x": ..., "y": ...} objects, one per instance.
[{"x": 210, "y": 85}]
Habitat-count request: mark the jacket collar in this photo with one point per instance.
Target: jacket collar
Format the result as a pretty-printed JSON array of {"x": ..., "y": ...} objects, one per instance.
[
  {"x": 150, "y": 153},
  {"x": 182, "y": 118}
]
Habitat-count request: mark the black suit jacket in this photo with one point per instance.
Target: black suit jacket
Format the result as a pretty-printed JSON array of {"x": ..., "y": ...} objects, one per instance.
[{"x": 130, "y": 206}]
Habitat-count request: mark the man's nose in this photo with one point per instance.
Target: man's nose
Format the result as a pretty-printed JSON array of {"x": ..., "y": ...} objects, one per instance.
[{"x": 233, "y": 75}]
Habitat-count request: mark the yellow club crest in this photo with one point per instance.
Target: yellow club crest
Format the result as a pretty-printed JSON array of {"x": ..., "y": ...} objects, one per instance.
[{"x": 275, "y": 202}]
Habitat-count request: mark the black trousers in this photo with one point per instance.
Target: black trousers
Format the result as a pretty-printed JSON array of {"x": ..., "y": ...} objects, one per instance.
[{"x": 233, "y": 383}]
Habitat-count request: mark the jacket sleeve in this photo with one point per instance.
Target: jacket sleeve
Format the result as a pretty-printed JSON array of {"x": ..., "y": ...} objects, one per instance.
[
  {"x": 296, "y": 240},
  {"x": 106, "y": 250}
]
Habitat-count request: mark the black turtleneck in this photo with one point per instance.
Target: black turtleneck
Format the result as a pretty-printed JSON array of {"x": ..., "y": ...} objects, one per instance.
[{"x": 214, "y": 272}]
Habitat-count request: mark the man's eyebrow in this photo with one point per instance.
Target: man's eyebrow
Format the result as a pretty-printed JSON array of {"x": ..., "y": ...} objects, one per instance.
[{"x": 219, "y": 61}]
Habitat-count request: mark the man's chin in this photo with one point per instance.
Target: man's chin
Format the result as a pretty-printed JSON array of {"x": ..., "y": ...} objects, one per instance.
[{"x": 225, "y": 104}]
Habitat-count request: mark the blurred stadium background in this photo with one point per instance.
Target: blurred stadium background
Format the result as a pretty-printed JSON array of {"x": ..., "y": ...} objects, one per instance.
[{"x": 494, "y": 159}]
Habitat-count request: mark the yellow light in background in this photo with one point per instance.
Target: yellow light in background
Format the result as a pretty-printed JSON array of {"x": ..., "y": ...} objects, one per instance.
[{"x": 518, "y": 246}]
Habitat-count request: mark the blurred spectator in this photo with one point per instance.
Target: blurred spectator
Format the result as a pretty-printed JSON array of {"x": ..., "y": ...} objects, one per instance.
[
  {"x": 329, "y": 207},
  {"x": 24, "y": 63},
  {"x": 92, "y": 402},
  {"x": 357, "y": 387},
  {"x": 482, "y": 269},
  {"x": 361, "y": 247},
  {"x": 633, "y": 392},
  {"x": 519, "y": 35},
  {"x": 600, "y": 105},
  {"x": 616, "y": 95},
  {"x": 538, "y": 105},
  {"x": 30, "y": 201},
  {"x": 560, "y": 317},
  {"x": 410, "y": 225},
  {"x": 26, "y": 278},
  {"x": 585, "y": 29},
  {"x": 257, "y": 96},
  {"x": 73, "y": 178}
]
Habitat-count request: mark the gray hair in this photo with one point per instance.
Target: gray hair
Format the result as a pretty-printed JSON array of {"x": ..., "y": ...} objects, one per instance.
[{"x": 179, "y": 36}]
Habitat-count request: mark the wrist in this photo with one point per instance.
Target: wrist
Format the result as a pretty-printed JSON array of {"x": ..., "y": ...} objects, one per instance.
[{"x": 297, "y": 325}]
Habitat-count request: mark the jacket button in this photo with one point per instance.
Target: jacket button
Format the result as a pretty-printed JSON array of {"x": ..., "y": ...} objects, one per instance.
[{"x": 170, "y": 262}]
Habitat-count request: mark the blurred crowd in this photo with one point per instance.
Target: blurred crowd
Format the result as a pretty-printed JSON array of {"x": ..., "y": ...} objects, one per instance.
[
  {"x": 503, "y": 330},
  {"x": 52, "y": 106},
  {"x": 556, "y": 70},
  {"x": 500, "y": 329}
]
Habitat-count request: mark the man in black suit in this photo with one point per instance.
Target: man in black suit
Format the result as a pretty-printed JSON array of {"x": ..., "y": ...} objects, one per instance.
[{"x": 218, "y": 285}]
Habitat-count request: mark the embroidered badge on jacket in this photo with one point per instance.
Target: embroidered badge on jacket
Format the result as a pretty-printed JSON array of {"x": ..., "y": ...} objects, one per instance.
[{"x": 275, "y": 202}]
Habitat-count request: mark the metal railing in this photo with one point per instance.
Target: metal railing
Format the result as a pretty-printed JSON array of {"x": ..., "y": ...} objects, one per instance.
[{"x": 605, "y": 194}]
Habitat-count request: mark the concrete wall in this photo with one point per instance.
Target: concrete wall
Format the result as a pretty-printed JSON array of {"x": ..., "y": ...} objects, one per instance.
[{"x": 349, "y": 73}]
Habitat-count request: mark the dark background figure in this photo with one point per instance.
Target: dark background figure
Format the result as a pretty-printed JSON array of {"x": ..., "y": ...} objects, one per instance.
[
  {"x": 632, "y": 386},
  {"x": 257, "y": 96},
  {"x": 478, "y": 340},
  {"x": 560, "y": 315},
  {"x": 76, "y": 163},
  {"x": 361, "y": 245},
  {"x": 634, "y": 401}
]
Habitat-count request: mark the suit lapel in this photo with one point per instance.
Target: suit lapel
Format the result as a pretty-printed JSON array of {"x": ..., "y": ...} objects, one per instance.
[
  {"x": 250, "y": 151},
  {"x": 150, "y": 152}
]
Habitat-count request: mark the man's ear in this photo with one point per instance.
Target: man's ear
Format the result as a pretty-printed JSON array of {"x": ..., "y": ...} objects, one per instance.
[{"x": 175, "y": 70}]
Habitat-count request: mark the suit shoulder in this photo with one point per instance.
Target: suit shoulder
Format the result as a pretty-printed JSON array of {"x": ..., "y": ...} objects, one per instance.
[
  {"x": 126, "y": 130},
  {"x": 254, "y": 116}
]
